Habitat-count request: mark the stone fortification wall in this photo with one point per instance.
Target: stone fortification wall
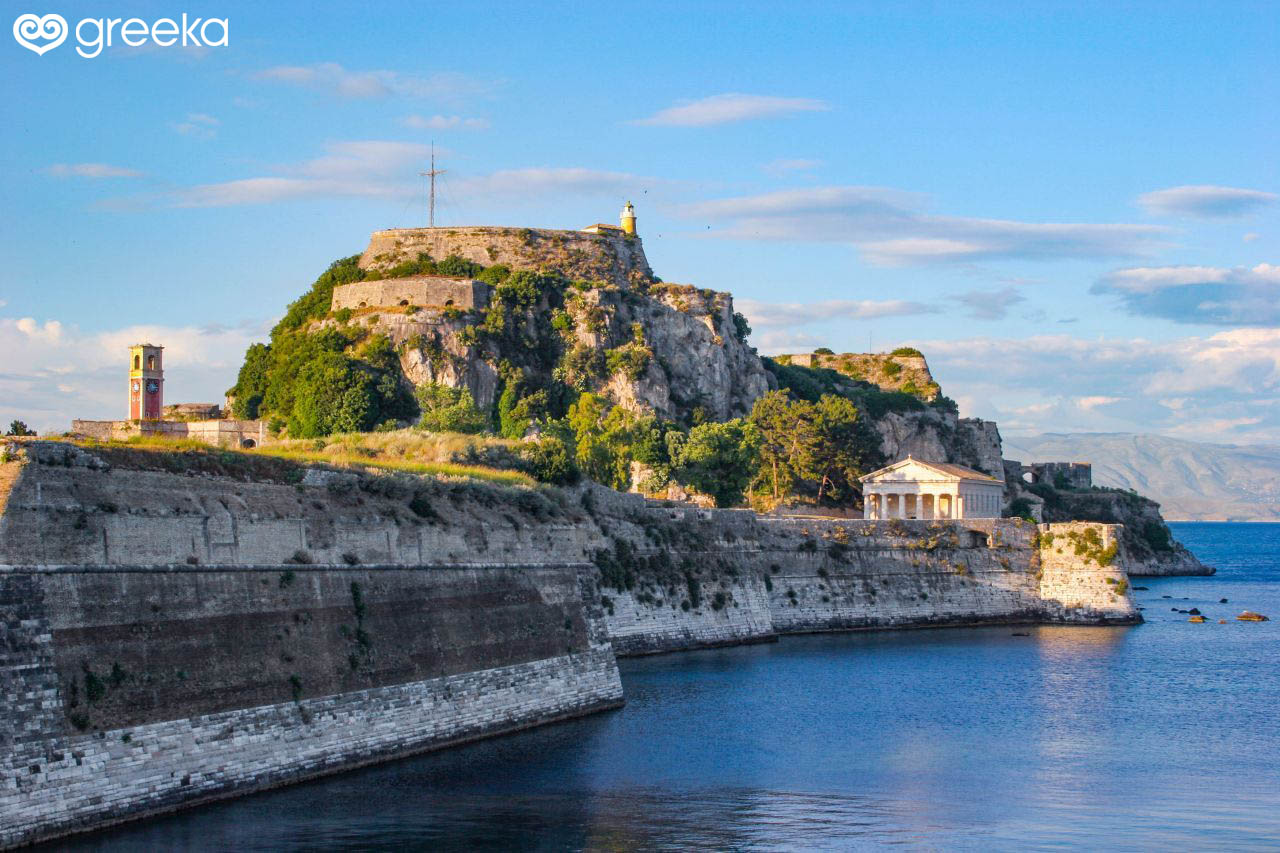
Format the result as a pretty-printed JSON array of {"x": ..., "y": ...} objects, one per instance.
[
  {"x": 608, "y": 257},
  {"x": 218, "y": 432},
  {"x": 184, "y": 626},
  {"x": 166, "y": 639},
  {"x": 890, "y": 372},
  {"x": 436, "y": 291},
  {"x": 756, "y": 577}
]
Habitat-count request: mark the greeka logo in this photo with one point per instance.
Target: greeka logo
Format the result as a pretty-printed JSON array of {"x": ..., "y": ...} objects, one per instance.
[{"x": 41, "y": 34}]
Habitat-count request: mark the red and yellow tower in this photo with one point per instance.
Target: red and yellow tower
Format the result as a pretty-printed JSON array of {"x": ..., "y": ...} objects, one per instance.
[{"x": 146, "y": 382}]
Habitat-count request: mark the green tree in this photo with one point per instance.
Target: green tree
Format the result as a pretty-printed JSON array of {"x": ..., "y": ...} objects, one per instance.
[
  {"x": 19, "y": 428},
  {"x": 251, "y": 384},
  {"x": 549, "y": 460},
  {"x": 785, "y": 429},
  {"x": 842, "y": 449},
  {"x": 446, "y": 409},
  {"x": 720, "y": 459},
  {"x": 603, "y": 437},
  {"x": 332, "y": 395}
]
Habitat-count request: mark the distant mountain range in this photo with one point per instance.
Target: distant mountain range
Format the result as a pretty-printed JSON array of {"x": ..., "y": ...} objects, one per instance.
[{"x": 1191, "y": 481}]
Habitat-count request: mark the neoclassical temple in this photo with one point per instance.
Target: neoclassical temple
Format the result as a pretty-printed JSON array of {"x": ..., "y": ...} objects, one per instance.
[{"x": 911, "y": 488}]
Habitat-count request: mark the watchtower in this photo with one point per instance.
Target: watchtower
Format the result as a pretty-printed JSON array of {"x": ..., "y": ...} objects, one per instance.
[
  {"x": 146, "y": 382},
  {"x": 628, "y": 219}
]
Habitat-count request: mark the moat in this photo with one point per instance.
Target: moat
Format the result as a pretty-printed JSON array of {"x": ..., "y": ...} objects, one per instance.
[{"x": 1161, "y": 734}]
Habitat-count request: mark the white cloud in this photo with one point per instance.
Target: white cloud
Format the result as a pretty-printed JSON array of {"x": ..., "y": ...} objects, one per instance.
[
  {"x": 439, "y": 122},
  {"x": 731, "y": 107},
  {"x": 890, "y": 229},
  {"x": 1237, "y": 296},
  {"x": 358, "y": 169},
  {"x": 91, "y": 170},
  {"x": 199, "y": 125},
  {"x": 989, "y": 304},
  {"x": 771, "y": 315},
  {"x": 1250, "y": 237},
  {"x": 1222, "y": 387},
  {"x": 388, "y": 169},
  {"x": 333, "y": 79},
  {"x": 54, "y": 372},
  {"x": 1205, "y": 201}
]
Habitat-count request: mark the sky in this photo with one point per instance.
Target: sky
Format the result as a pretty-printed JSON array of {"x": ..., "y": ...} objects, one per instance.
[{"x": 1073, "y": 209}]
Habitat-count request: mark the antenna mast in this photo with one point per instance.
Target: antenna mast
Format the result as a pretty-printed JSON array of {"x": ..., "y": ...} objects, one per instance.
[{"x": 431, "y": 204}]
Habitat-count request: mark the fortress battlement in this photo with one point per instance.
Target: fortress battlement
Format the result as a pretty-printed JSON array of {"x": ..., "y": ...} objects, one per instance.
[
  {"x": 420, "y": 290},
  {"x": 602, "y": 254}
]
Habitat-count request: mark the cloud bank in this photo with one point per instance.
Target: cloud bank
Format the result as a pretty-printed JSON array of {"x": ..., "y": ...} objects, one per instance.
[
  {"x": 1206, "y": 201},
  {"x": 1224, "y": 387},
  {"x": 54, "y": 372},
  {"x": 890, "y": 229},
  {"x": 1219, "y": 296}
]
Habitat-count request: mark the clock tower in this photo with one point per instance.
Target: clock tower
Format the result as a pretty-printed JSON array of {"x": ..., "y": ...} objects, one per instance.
[{"x": 146, "y": 382}]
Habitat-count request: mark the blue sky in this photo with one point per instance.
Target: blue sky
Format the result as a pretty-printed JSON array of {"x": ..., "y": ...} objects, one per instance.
[{"x": 1072, "y": 208}]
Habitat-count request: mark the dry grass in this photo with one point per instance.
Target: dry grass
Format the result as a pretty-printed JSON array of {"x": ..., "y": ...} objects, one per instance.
[
  {"x": 409, "y": 451},
  {"x": 402, "y": 450},
  {"x": 406, "y": 445},
  {"x": 9, "y": 471}
]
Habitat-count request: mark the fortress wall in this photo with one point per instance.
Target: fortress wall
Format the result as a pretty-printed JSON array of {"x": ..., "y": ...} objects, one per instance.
[
  {"x": 176, "y": 627},
  {"x": 798, "y": 575},
  {"x": 419, "y": 290},
  {"x": 141, "y": 691},
  {"x": 1078, "y": 580},
  {"x": 609, "y": 257}
]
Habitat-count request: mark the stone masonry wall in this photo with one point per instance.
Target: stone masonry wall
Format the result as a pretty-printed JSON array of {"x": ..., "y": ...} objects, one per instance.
[
  {"x": 164, "y": 640},
  {"x": 418, "y": 290},
  {"x": 56, "y": 778},
  {"x": 177, "y": 627},
  {"x": 606, "y": 257},
  {"x": 793, "y": 575}
]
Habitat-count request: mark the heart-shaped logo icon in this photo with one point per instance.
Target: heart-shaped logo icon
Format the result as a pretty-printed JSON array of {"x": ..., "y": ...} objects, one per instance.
[{"x": 51, "y": 27}]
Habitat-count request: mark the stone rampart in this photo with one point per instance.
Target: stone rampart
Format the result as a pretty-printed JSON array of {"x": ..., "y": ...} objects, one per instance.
[
  {"x": 612, "y": 257},
  {"x": 178, "y": 627},
  {"x": 423, "y": 291},
  {"x": 217, "y": 432}
]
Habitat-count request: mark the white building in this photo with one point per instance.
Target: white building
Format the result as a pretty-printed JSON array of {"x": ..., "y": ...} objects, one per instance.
[{"x": 914, "y": 489}]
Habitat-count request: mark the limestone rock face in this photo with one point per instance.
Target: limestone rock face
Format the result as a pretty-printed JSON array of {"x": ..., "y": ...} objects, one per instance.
[
  {"x": 698, "y": 360},
  {"x": 940, "y": 436}
]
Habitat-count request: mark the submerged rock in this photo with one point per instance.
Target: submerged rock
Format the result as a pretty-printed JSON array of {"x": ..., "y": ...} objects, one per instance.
[
  {"x": 1250, "y": 616},
  {"x": 1196, "y": 618}
]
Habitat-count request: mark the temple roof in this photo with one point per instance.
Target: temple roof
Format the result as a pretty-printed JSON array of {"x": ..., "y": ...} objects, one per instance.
[{"x": 946, "y": 469}]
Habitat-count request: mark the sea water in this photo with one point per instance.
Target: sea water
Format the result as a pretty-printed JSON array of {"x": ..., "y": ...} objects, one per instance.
[{"x": 1161, "y": 735}]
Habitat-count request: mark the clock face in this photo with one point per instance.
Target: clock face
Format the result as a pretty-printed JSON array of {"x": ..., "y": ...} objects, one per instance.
[
  {"x": 136, "y": 386},
  {"x": 152, "y": 387}
]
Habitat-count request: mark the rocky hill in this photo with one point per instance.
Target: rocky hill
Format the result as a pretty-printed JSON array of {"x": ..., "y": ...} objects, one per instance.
[
  {"x": 634, "y": 382},
  {"x": 1192, "y": 481}
]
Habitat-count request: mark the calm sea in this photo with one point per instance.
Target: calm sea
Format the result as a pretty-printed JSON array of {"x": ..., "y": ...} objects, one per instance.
[{"x": 1158, "y": 736}]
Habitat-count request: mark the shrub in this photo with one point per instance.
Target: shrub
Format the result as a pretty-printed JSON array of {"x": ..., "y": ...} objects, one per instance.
[
  {"x": 550, "y": 461},
  {"x": 446, "y": 409},
  {"x": 908, "y": 351},
  {"x": 823, "y": 351}
]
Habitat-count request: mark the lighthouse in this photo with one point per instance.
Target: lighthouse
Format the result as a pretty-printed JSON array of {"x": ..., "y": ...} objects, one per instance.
[{"x": 628, "y": 220}]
